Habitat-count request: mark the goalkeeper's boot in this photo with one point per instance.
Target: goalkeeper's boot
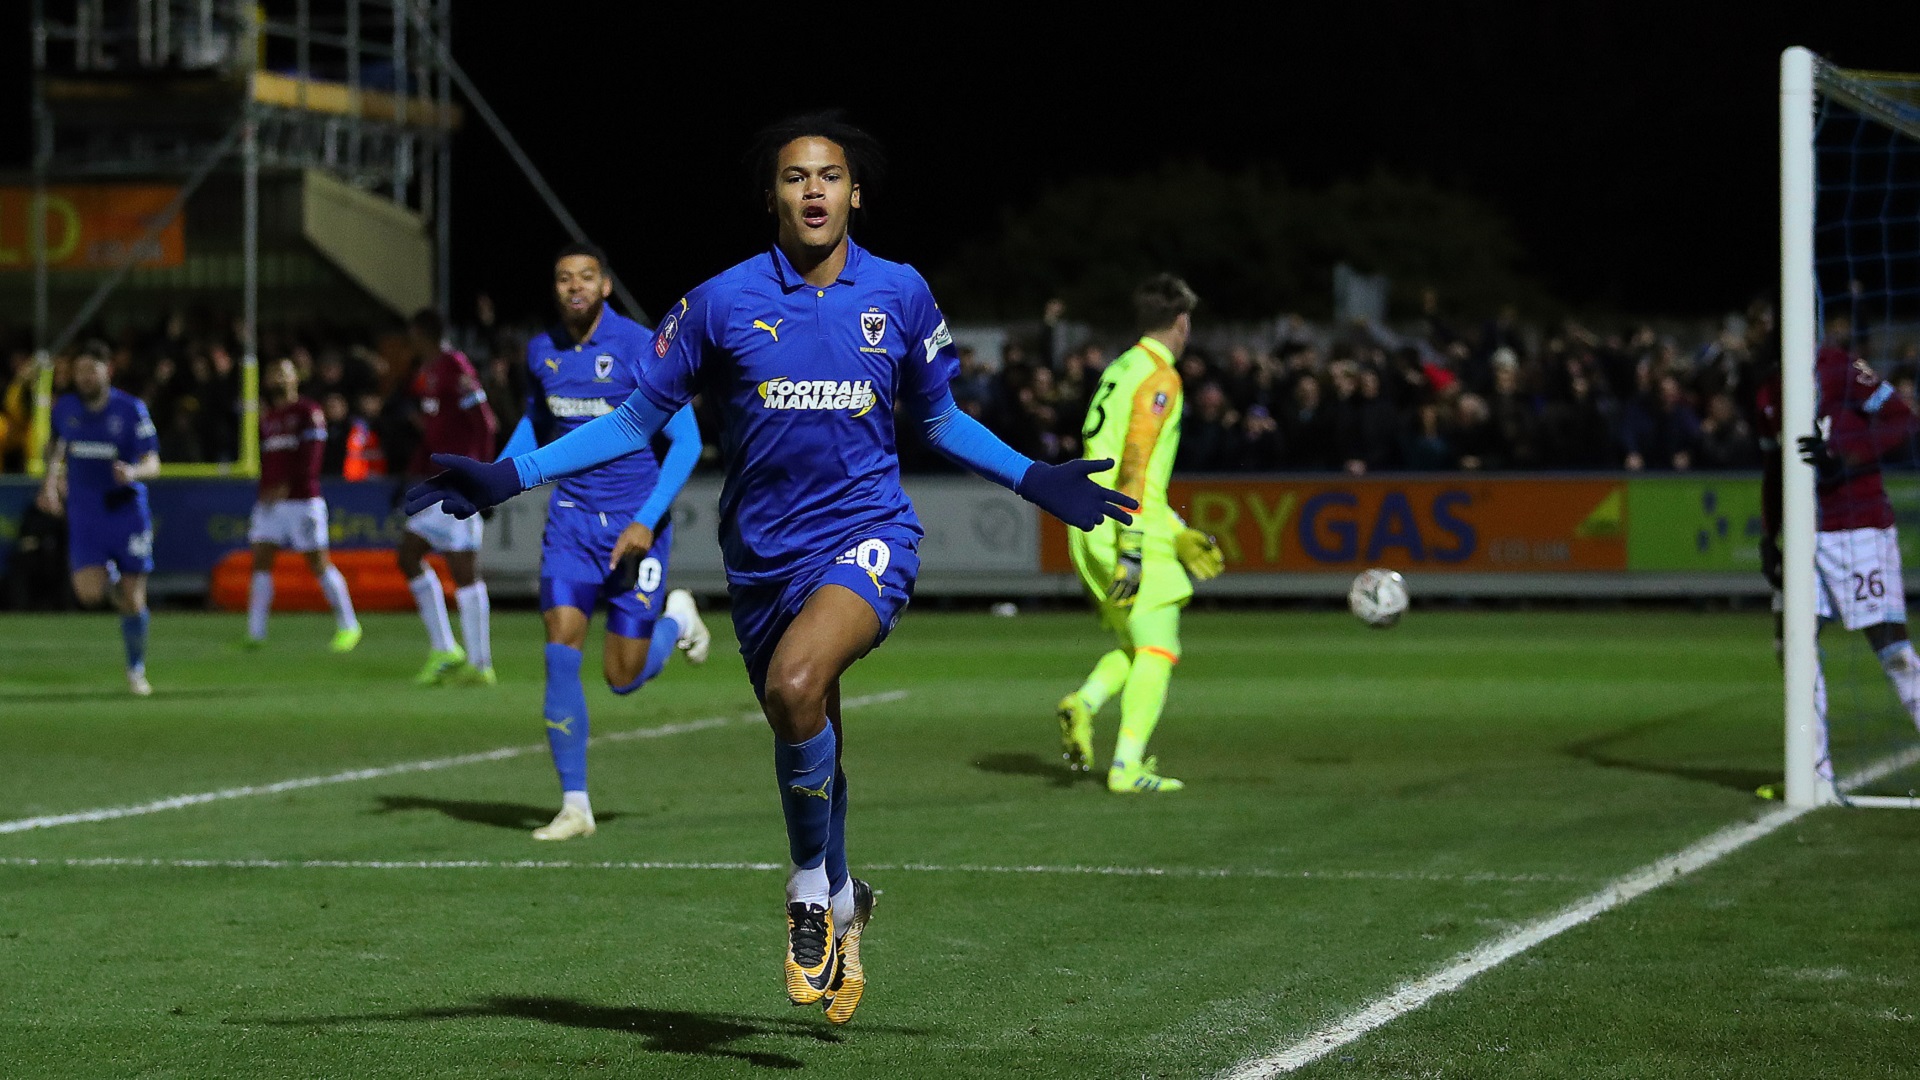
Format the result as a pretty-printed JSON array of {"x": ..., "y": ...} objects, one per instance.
[
  {"x": 812, "y": 961},
  {"x": 345, "y": 640},
  {"x": 851, "y": 980},
  {"x": 1140, "y": 779},
  {"x": 695, "y": 639},
  {"x": 1076, "y": 733},
  {"x": 465, "y": 674},
  {"x": 438, "y": 665},
  {"x": 570, "y": 822}
]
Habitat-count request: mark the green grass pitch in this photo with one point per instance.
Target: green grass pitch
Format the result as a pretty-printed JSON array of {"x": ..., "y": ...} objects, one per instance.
[{"x": 1362, "y": 808}]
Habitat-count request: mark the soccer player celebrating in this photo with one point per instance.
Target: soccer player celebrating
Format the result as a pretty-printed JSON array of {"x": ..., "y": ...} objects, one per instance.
[
  {"x": 608, "y": 536},
  {"x": 103, "y": 448},
  {"x": 806, "y": 348},
  {"x": 455, "y": 419},
  {"x": 290, "y": 512},
  {"x": 1137, "y": 573},
  {"x": 1859, "y": 419}
]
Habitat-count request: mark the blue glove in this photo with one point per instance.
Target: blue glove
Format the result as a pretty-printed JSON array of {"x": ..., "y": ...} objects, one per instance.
[
  {"x": 466, "y": 487},
  {"x": 1065, "y": 492}
]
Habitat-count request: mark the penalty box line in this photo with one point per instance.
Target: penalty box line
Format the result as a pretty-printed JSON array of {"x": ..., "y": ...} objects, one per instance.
[
  {"x": 1413, "y": 995},
  {"x": 504, "y": 753},
  {"x": 110, "y": 862}
]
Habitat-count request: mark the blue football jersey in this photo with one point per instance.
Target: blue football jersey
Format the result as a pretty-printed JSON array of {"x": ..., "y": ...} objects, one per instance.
[
  {"x": 120, "y": 431},
  {"x": 574, "y": 382},
  {"x": 808, "y": 379}
]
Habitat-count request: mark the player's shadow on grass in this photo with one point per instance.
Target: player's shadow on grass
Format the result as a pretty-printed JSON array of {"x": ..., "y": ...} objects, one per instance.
[
  {"x": 500, "y": 815},
  {"x": 1599, "y": 750},
  {"x": 1030, "y": 765},
  {"x": 666, "y": 1031}
]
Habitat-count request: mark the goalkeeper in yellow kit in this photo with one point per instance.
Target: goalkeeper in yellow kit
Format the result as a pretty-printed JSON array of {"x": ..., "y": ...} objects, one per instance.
[{"x": 1137, "y": 574}]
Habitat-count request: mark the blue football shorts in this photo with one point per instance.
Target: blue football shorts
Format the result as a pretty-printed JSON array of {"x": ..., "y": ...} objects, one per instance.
[
  {"x": 573, "y": 570},
  {"x": 880, "y": 568},
  {"x": 121, "y": 540}
]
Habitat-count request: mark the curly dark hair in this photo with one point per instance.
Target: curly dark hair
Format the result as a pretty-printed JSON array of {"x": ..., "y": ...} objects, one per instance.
[{"x": 865, "y": 160}]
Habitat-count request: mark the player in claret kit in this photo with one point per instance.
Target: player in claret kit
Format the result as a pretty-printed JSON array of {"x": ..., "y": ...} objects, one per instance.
[
  {"x": 103, "y": 448},
  {"x": 806, "y": 349},
  {"x": 290, "y": 512},
  {"x": 608, "y": 537},
  {"x": 454, "y": 418},
  {"x": 1859, "y": 419}
]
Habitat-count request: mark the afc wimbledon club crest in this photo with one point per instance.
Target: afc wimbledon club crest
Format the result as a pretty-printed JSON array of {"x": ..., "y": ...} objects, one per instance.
[
  {"x": 602, "y": 368},
  {"x": 874, "y": 325}
]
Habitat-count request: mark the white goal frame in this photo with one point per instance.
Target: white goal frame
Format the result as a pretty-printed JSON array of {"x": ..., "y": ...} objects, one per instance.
[{"x": 1803, "y": 77}]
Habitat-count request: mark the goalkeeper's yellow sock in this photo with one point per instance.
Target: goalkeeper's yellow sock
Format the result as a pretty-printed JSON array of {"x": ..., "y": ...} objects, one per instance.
[
  {"x": 1109, "y": 675},
  {"x": 1142, "y": 702}
]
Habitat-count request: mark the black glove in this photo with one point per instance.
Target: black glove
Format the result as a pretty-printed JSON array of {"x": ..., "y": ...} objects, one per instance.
[
  {"x": 1827, "y": 468},
  {"x": 625, "y": 576}
]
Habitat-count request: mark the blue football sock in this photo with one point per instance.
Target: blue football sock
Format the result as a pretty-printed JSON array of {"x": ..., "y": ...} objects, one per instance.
[
  {"x": 666, "y": 634},
  {"x": 837, "y": 834},
  {"x": 133, "y": 631},
  {"x": 566, "y": 714},
  {"x": 805, "y": 771}
]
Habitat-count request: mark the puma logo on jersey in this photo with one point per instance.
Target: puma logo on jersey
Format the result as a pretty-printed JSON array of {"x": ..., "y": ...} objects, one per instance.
[
  {"x": 821, "y": 792},
  {"x": 564, "y": 727},
  {"x": 553, "y": 363},
  {"x": 853, "y": 395},
  {"x": 761, "y": 324}
]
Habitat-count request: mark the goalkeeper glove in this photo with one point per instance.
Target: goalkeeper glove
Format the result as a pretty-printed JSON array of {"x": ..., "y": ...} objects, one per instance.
[
  {"x": 1199, "y": 554},
  {"x": 1126, "y": 571}
]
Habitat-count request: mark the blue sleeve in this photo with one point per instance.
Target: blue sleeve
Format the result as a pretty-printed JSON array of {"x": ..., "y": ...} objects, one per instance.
[
  {"x": 522, "y": 439},
  {"x": 680, "y": 346},
  {"x": 145, "y": 440},
  {"x": 968, "y": 442},
  {"x": 623, "y": 431},
  {"x": 681, "y": 457},
  {"x": 931, "y": 361}
]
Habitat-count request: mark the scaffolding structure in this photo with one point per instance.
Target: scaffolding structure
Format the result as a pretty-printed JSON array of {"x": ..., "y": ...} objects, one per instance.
[{"x": 177, "y": 90}]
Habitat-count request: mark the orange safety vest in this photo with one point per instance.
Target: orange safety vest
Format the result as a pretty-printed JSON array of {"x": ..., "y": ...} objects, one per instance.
[{"x": 365, "y": 458}]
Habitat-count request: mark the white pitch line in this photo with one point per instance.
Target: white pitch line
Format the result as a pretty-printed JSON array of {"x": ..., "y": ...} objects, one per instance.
[
  {"x": 177, "y": 802},
  {"x": 1412, "y": 995},
  {"x": 1189, "y": 872}
]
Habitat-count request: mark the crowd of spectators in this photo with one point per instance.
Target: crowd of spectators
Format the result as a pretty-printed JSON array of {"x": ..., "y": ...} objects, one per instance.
[
  {"x": 187, "y": 370},
  {"x": 1293, "y": 396},
  {"x": 1432, "y": 396}
]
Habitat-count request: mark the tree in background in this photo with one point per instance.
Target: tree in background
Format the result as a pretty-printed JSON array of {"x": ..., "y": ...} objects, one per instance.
[{"x": 1251, "y": 244}]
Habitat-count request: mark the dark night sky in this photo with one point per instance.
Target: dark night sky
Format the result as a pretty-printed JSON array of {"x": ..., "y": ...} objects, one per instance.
[{"x": 1634, "y": 147}]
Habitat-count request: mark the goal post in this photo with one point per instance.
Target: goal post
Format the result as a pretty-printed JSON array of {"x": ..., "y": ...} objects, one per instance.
[{"x": 1849, "y": 246}]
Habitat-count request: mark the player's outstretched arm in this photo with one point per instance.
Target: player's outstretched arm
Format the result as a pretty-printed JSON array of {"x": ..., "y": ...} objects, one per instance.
[
  {"x": 1061, "y": 490},
  {"x": 521, "y": 441},
  {"x": 683, "y": 453},
  {"x": 468, "y": 486}
]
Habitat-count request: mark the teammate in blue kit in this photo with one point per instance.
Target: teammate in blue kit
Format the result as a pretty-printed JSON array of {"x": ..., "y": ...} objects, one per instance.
[
  {"x": 103, "y": 447},
  {"x": 608, "y": 535},
  {"x": 806, "y": 349}
]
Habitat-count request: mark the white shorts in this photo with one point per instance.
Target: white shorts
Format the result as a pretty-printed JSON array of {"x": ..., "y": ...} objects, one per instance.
[
  {"x": 444, "y": 531},
  {"x": 1860, "y": 581},
  {"x": 295, "y": 524}
]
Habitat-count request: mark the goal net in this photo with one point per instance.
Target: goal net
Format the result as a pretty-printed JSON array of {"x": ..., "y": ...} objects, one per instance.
[{"x": 1850, "y": 347}]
